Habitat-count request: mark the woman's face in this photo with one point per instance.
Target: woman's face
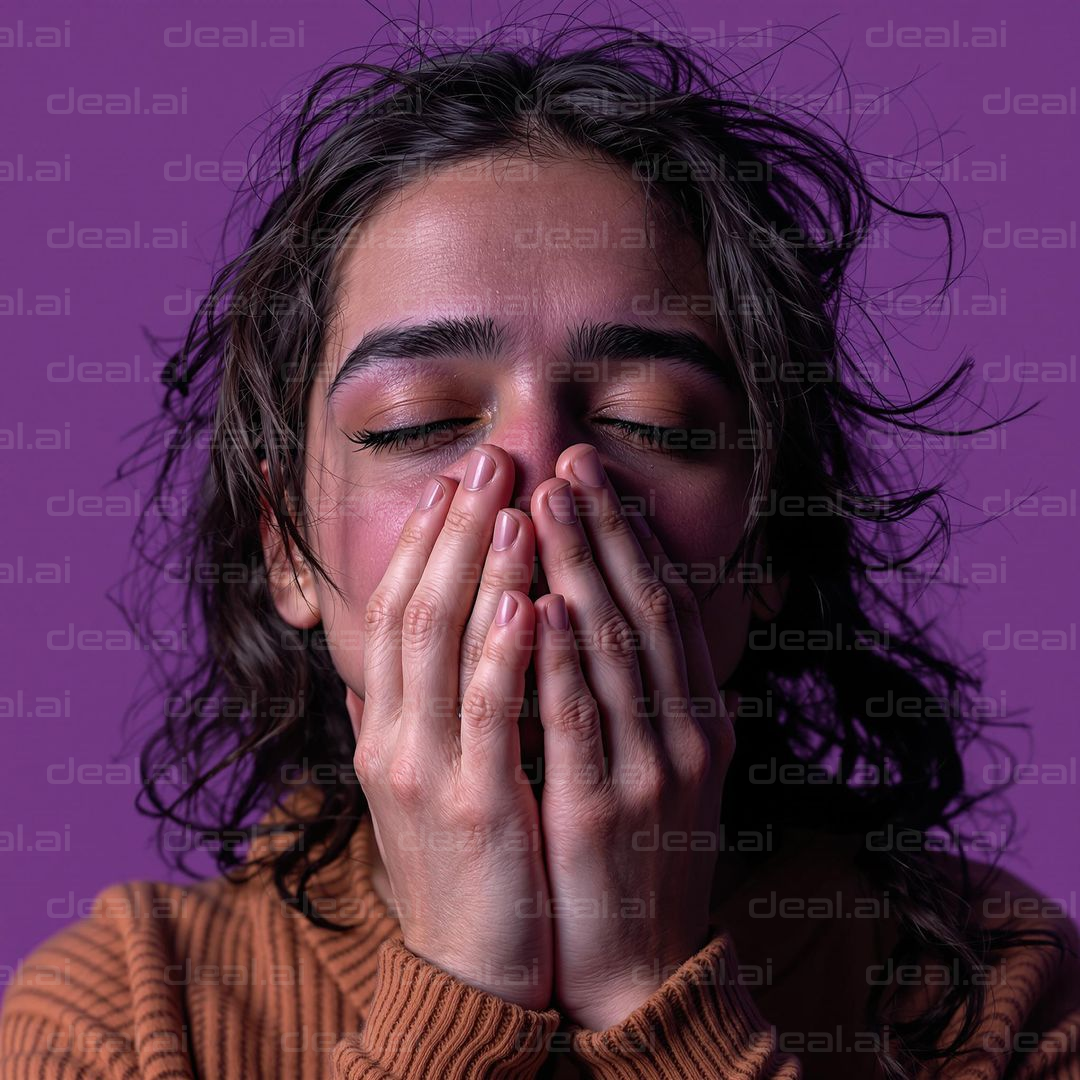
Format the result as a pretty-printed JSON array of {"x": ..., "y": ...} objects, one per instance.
[{"x": 539, "y": 250}]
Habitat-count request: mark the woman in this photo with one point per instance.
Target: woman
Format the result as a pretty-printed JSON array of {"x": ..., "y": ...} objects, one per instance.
[{"x": 544, "y": 628}]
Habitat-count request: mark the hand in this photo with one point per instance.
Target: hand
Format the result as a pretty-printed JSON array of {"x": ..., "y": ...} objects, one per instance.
[
  {"x": 625, "y": 753},
  {"x": 455, "y": 820}
]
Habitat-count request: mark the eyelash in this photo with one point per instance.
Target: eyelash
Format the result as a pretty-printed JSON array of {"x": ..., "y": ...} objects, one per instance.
[{"x": 648, "y": 434}]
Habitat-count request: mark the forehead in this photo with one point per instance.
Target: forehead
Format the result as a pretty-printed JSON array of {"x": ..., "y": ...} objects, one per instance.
[{"x": 540, "y": 243}]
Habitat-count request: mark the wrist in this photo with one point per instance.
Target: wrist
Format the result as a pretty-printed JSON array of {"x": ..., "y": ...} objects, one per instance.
[
  {"x": 624, "y": 994},
  {"x": 518, "y": 984},
  {"x": 614, "y": 1009}
]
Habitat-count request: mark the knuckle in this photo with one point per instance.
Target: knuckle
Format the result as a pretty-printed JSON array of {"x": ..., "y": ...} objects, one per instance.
[
  {"x": 481, "y": 709},
  {"x": 459, "y": 521},
  {"x": 421, "y": 619},
  {"x": 367, "y": 762},
  {"x": 412, "y": 536},
  {"x": 500, "y": 652},
  {"x": 614, "y": 638},
  {"x": 498, "y": 576},
  {"x": 655, "y": 604},
  {"x": 406, "y": 782},
  {"x": 610, "y": 521},
  {"x": 578, "y": 717},
  {"x": 380, "y": 611},
  {"x": 575, "y": 556}
]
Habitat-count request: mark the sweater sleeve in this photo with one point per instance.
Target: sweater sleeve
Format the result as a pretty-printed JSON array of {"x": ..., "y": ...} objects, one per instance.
[
  {"x": 700, "y": 1022},
  {"x": 423, "y": 1022}
]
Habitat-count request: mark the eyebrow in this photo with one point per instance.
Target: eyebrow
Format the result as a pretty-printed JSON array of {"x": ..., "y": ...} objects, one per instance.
[{"x": 474, "y": 335}]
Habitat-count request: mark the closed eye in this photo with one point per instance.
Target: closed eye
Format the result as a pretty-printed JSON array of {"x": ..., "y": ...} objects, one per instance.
[
  {"x": 647, "y": 434},
  {"x": 652, "y": 435},
  {"x": 393, "y": 437}
]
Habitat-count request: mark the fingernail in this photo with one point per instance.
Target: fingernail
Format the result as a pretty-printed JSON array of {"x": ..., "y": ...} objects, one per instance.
[
  {"x": 561, "y": 504},
  {"x": 480, "y": 471},
  {"x": 588, "y": 470},
  {"x": 506, "y": 530},
  {"x": 555, "y": 613},
  {"x": 640, "y": 526},
  {"x": 507, "y": 607},
  {"x": 431, "y": 494}
]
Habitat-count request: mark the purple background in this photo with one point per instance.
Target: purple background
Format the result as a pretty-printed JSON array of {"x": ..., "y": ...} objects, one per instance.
[{"x": 978, "y": 89}]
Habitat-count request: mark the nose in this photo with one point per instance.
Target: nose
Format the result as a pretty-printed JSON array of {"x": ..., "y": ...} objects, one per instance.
[{"x": 534, "y": 440}]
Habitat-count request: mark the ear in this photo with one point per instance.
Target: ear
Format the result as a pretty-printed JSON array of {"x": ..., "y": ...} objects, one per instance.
[
  {"x": 291, "y": 583},
  {"x": 769, "y": 592}
]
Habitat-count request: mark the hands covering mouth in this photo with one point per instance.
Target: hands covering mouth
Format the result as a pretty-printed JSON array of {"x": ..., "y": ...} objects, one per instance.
[{"x": 608, "y": 656}]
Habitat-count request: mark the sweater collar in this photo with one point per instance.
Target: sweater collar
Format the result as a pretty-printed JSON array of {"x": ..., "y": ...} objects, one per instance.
[{"x": 342, "y": 893}]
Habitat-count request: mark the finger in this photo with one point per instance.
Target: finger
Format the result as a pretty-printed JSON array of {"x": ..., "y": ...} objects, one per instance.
[
  {"x": 509, "y": 565},
  {"x": 638, "y": 592},
  {"x": 708, "y": 704},
  {"x": 386, "y": 606},
  {"x": 436, "y": 614},
  {"x": 700, "y": 674},
  {"x": 609, "y": 649},
  {"x": 491, "y": 704},
  {"x": 573, "y": 736}
]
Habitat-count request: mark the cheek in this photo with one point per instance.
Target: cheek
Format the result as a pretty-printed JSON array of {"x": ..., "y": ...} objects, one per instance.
[{"x": 355, "y": 543}]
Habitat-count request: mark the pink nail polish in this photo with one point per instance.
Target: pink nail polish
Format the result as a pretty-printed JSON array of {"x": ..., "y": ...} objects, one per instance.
[
  {"x": 561, "y": 504},
  {"x": 480, "y": 471},
  {"x": 507, "y": 607},
  {"x": 556, "y": 614},
  {"x": 588, "y": 469},
  {"x": 506, "y": 530},
  {"x": 431, "y": 494}
]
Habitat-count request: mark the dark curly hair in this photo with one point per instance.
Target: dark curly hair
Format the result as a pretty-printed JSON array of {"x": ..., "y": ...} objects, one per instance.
[{"x": 781, "y": 206}]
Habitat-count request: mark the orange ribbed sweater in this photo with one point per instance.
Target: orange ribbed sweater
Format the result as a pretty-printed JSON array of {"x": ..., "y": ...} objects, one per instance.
[{"x": 218, "y": 979}]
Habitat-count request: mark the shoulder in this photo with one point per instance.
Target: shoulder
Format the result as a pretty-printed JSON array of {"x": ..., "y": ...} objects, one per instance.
[
  {"x": 165, "y": 975},
  {"x": 85, "y": 992},
  {"x": 1029, "y": 1023},
  {"x": 1043, "y": 966}
]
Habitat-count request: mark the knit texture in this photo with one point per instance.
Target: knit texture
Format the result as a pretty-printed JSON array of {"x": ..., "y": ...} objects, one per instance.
[{"x": 219, "y": 979}]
